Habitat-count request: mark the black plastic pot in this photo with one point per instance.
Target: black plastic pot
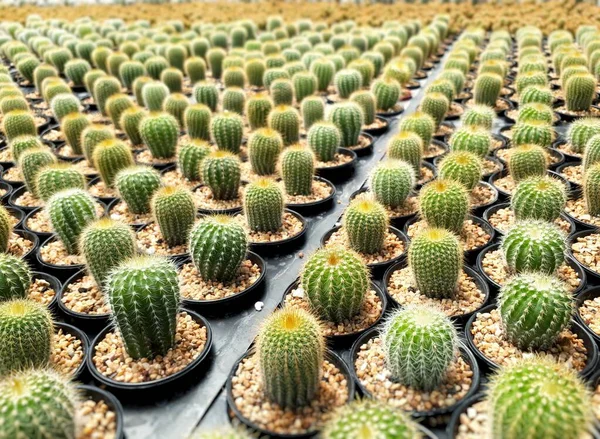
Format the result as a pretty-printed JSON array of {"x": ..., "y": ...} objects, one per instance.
[
  {"x": 162, "y": 387},
  {"x": 454, "y": 423},
  {"x": 589, "y": 293},
  {"x": 568, "y": 157},
  {"x": 55, "y": 284},
  {"x": 467, "y": 356},
  {"x": 229, "y": 211},
  {"x": 85, "y": 344},
  {"x": 379, "y": 267},
  {"x": 61, "y": 272},
  {"x": 365, "y": 150},
  {"x": 13, "y": 183},
  {"x": 18, "y": 214},
  {"x": 581, "y": 225},
  {"x": 89, "y": 322},
  {"x": 389, "y": 114},
  {"x": 496, "y": 207},
  {"x": 567, "y": 117},
  {"x": 97, "y": 394},
  {"x": 284, "y": 245},
  {"x": 593, "y": 276},
  {"x": 440, "y": 144},
  {"x": 378, "y": 131},
  {"x": 414, "y": 84},
  {"x": 42, "y": 235},
  {"x": 456, "y": 116},
  {"x": 227, "y": 303},
  {"x": 8, "y": 191},
  {"x": 14, "y": 196},
  {"x": 460, "y": 319},
  {"x": 30, "y": 255},
  {"x": 315, "y": 207},
  {"x": 339, "y": 172},
  {"x": 441, "y": 137},
  {"x": 495, "y": 287},
  {"x": 487, "y": 364},
  {"x": 235, "y": 414}
]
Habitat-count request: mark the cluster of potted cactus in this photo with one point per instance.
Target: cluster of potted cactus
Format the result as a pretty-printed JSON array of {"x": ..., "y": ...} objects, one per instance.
[{"x": 150, "y": 167}]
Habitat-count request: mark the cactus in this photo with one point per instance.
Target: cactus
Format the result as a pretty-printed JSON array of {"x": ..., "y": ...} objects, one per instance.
[
  {"x": 349, "y": 119},
  {"x": 90, "y": 79},
  {"x": 114, "y": 61},
  {"x": 282, "y": 92},
  {"x": 312, "y": 109},
  {"x": 407, "y": 146},
  {"x": 32, "y": 161},
  {"x": 536, "y": 94},
  {"x": 73, "y": 126},
  {"x": 104, "y": 88},
  {"x": 176, "y": 104},
  {"x": 542, "y": 198},
  {"x": 218, "y": 246},
  {"x": 130, "y": 121},
  {"x": 129, "y": 71},
  {"x": 70, "y": 212},
  {"x": 42, "y": 72},
  {"x": 366, "y": 100},
  {"x": 487, "y": 89},
  {"x": 116, "y": 105},
  {"x": 27, "y": 336},
  {"x": 138, "y": 88},
  {"x": 109, "y": 157},
  {"x": 174, "y": 211},
  {"x": 227, "y": 131},
  {"x": 324, "y": 70},
  {"x": 591, "y": 189},
  {"x": 154, "y": 94},
  {"x": 54, "y": 178},
  {"x": 144, "y": 296},
  {"x": 420, "y": 344},
  {"x": 263, "y": 205},
  {"x": 285, "y": 120},
  {"x": 435, "y": 105},
  {"x": 75, "y": 70},
  {"x": 54, "y": 87},
  {"x": 445, "y": 204},
  {"x": 536, "y": 112},
  {"x": 462, "y": 166},
  {"x": 591, "y": 154},
  {"x": 472, "y": 139},
  {"x": 195, "y": 69},
  {"x": 176, "y": 55},
  {"x": 206, "y": 93},
  {"x": 297, "y": 168},
  {"x": 234, "y": 77},
  {"x": 106, "y": 243},
  {"x": 581, "y": 131},
  {"x": 91, "y": 136},
  {"x": 580, "y": 91},
  {"x": 59, "y": 58},
  {"x": 15, "y": 278},
  {"x": 392, "y": 181},
  {"x": 534, "y": 309},
  {"x": 305, "y": 84},
  {"x": 527, "y": 79},
  {"x": 38, "y": 403},
  {"x": 136, "y": 186},
  {"x": 160, "y": 132},
  {"x": 366, "y": 225},
  {"x": 533, "y": 132},
  {"x": 365, "y": 68},
  {"x": 215, "y": 58},
  {"x": 456, "y": 77},
  {"x": 197, "y": 121},
  {"x": 442, "y": 86},
  {"x": 255, "y": 69},
  {"x": 480, "y": 116},
  {"x": 155, "y": 65},
  {"x": 527, "y": 161},
  {"x": 346, "y": 82},
  {"x": 22, "y": 143},
  {"x": 6, "y": 229},
  {"x": 421, "y": 124},
  {"x": 264, "y": 147},
  {"x": 335, "y": 281},
  {"x": 370, "y": 418},
  {"x": 324, "y": 138},
  {"x": 273, "y": 74},
  {"x": 435, "y": 259},
  {"x": 534, "y": 245},
  {"x": 190, "y": 156},
  {"x": 27, "y": 66},
  {"x": 18, "y": 123},
  {"x": 258, "y": 108},
  {"x": 173, "y": 79},
  {"x": 221, "y": 172},
  {"x": 387, "y": 92},
  {"x": 13, "y": 102}
]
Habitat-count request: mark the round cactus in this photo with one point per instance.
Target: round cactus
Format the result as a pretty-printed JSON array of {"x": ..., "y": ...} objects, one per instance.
[
  {"x": 175, "y": 105},
  {"x": 32, "y": 161},
  {"x": 392, "y": 181},
  {"x": 116, "y": 105},
  {"x": 335, "y": 281},
  {"x": 462, "y": 166},
  {"x": 18, "y": 123},
  {"x": 420, "y": 343},
  {"x": 155, "y": 65},
  {"x": 285, "y": 120},
  {"x": 129, "y": 71},
  {"x": 324, "y": 70},
  {"x": 130, "y": 121},
  {"x": 15, "y": 278},
  {"x": 104, "y": 88},
  {"x": 435, "y": 105},
  {"x": 272, "y": 75},
  {"x": 536, "y": 94},
  {"x": 27, "y": 66},
  {"x": 591, "y": 189},
  {"x": 534, "y": 309},
  {"x": 472, "y": 139},
  {"x": 255, "y": 70},
  {"x": 290, "y": 349},
  {"x": 258, "y": 108},
  {"x": 542, "y": 198},
  {"x": 387, "y": 92},
  {"x": 537, "y": 112},
  {"x": 487, "y": 89},
  {"x": 109, "y": 157},
  {"x": 527, "y": 79},
  {"x": 13, "y": 102},
  {"x": 42, "y": 72},
  {"x": 312, "y": 109},
  {"x": 136, "y": 186},
  {"x": 264, "y": 147},
  {"x": 221, "y": 173},
  {"x": 218, "y": 246},
  {"x": 227, "y": 131},
  {"x": 366, "y": 225},
  {"x": 189, "y": 158},
  {"x": 305, "y": 84},
  {"x": 421, "y": 124},
  {"x": 480, "y": 116},
  {"x": 57, "y": 177},
  {"x": 533, "y": 132},
  {"x": 154, "y": 94},
  {"x": 234, "y": 77},
  {"x": 215, "y": 58},
  {"x": 23, "y": 143},
  {"x": 346, "y": 82},
  {"x": 282, "y": 92},
  {"x": 534, "y": 245},
  {"x": 527, "y": 161},
  {"x": 174, "y": 210},
  {"x": 173, "y": 79},
  {"x": 144, "y": 297},
  {"x": 263, "y": 205},
  {"x": 206, "y": 93},
  {"x": 76, "y": 69},
  {"x": 580, "y": 91},
  {"x": 63, "y": 104},
  {"x": 234, "y": 100},
  {"x": 324, "y": 139},
  {"x": 90, "y": 79},
  {"x": 445, "y": 204},
  {"x": 407, "y": 146},
  {"x": 91, "y": 136},
  {"x": 197, "y": 121},
  {"x": 73, "y": 126},
  {"x": 138, "y": 88},
  {"x": 195, "y": 69},
  {"x": 349, "y": 119},
  {"x": 366, "y": 100},
  {"x": 591, "y": 155},
  {"x": 159, "y": 132},
  {"x": 297, "y": 168},
  {"x": 581, "y": 131},
  {"x": 6, "y": 228}
]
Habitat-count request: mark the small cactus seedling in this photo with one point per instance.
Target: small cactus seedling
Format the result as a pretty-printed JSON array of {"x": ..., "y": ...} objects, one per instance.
[
  {"x": 527, "y": 161},
  {"x": 73, "y": 125},
  {"x": 218, "y": 246},
  {"x": 91, "y": 137},
  {"x": 22, "y": 144},
  {"x": 312, "y": 110},
  {"x": 486, "y": 90},
  {"x": 18, "y": 123},
  {"x": 580, "y": 90},
  {"x": 27, "y": 335},
  {"x": 297, "y": 169},
  {"x": 190, "y": 156},
  {"x": 104, "y": 88},
  {"x": 234, "y": 100},
  {"x": 285, "y": 120},
  {"x": 473, "y": 139},
  {"x": 258, "y": 108},
  {"x": 480, "y": 116},
  {"x": 15, "y": 277},
  {"x": 324, "y": 138},
  {"x": 392, "y": 181},
  {"x": 63, "y": 104},
  {"x": 6, "y": 228},
  {"x": 420, "y": 344},
  {"x": 421, "y": 124},
  {"x": 144, "y": 296},
  {"x": 159, "y": 132},
  {"x": 366, "y": 100},
  {"x": 366, "y": 224},
  {"x": 435, "y": 105},
  {"x": 537, "y": 112},
  {"x": 221, "y": 172},
  {"x": 387, "y": 92},
  {"x": 349, "y": 119},
  {"x": 335, "y": 281},
  {"x": 174, "y": 210},
  {"x": 542, "y": 198},
  {"x": 227, "y": 130},
  {"x": 136, "y": 186},
  {"x": 263, "y": 205},
  {"x": 462, "y": 166},
  {"x": 445, "y": 204},
  {"x": 208, "y": 94},
  {"x": 407, "y": 146},
  {"x": 31, "y": 162},
  {"x": 111, "y": 156},
  {"x": 197, "y": 121},
  {"x": 533, "y": 132},
  {"x": 57, "y": 177},
  {"x": 130, "y": 123},
  {"x": 534, "y": 309},
  {"x": 264, "y": 147},
  {"x": 534, "y": 245},
  {"x": 290, "y": 349},
  {"x": 537, "y": 94},
  {"x": 581, "y": 131}
]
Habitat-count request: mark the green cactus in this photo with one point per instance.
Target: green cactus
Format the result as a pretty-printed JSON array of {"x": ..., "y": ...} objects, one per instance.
[
  {"x": 190, "y": 156},
  {"x": 91, "y": 136},
  {"x": 527, "y": 161},
  {"x": 324, "y": 138},
  {"x": 90, "y": 79},
  {"x": 480, "y": 116},
  {"x": 435, "y": 105},
  {"x": 312, "y": 109},
  {"x": 536, "y": 112},
  {"x": 366, "y": 100},
  {"x": 38, "y": 403},
  {"x": 462, "y": 166},
  {"x": 176, "y": 55},
  {"x": 305, "y": 85},
  {"x": 534, "y": 309},
  {"x": 42, "y": 72},
  {"x": 176, "y": 104},
  {"x": 365, "y": 68},
  {"x": 13, "y": 102},
  {"x": 70, "y": 211},
  {"x": 346, "y": 82},
  {"x": 221, "y": 172},
  {"x": 31, "y": 162},
  {"x": 581, "y": 131},
  {"x": 160, "y": 132},
  {"x": 130, "y": 121},
  {"x": 255, "y": 69},
  {"x": 234, "y": 100},
  {"x": 392, "y": 181},
  {"x": 533, "y": 132},
  {"x": 136, "y": 186},
  {"x": 420, "y": 344},
  {"x": 54, "y": 178},
  {"x": 264, "y": 147},
  {"x": 407, "y": 146},
  {"x": 155, "y": 65},
  {"x": 234, "y": 77},
  {"x": 580, "y": 91},
  {"x": 324, "y": 70},
  {"x": 73, "y": 126},
  {"x": 27, "y": 66},
  {"x": 387, "y": 92},
  {"x": 282, "y": 92},
  {"x": 109, "y": 157},
  {"x": 335, "y": 281},
  {"x": 114, "y": 62},
  {"x": 174, "y": 210},
  {"x": 116, "y": 105},
  {"x": 456, "y": 77},
  {"x": 75, "y": 70},
  {"x": 16, "y": 277},
  {"x": 542, "y": 198},
  {"x": 273, "y": 74},
  {"x": 195, "y": 69},
  {"x": 435, "y": 257},
  {"x": 263, "y": 205},
  {"x": 534, "y": 245},
  {"x": 207, "y": 93},
  {"x": 421, "y": 124},
  {"x": 144, "y": 296},
  {"x": 22, "y": 143},
  {"x": 6, "y": 229},
  {"x": 472, "y": 139},
  {"x": 227, "y": 131},
  {"x": 258, "y": 108},
  {"x": 591, "y": 189},
  {"x": 53, "y": 87},
  {"x": 215, "y": 58},
  {"x": 129, "y": 71},
  {"x": 349, "y": 119},
  {"x": 297, "y": 168},
  {"x": 527, "y": 79},
  {"x": 591, "y": 154},
  {"x": 154, "y": 94},
  {"x": 538, "y": 398},
  {"x": 444, "y": 203},
  {"x": 18, "y": 123},
  {"x": 104, "y": 88},
  {"x": 487, "y": 89},
  {"x": 285, "y": 120},
  {"x": 366, "y": 224},
  {"x": 173, "y": 79},
  {"x": 59, "y": 58},
  {"x": 138, "y": 88},
  {"x": 218, "y": 246}
]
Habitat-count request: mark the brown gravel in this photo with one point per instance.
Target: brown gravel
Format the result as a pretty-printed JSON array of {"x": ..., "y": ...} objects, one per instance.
[
  {"x": 100, "y": 190},
  {"x": 28, "y": 200},
  {"x": 120, "y": 212},
  {"x": 112, "y": 361},
  {"x": 566, "y": 148},
  {"x": 590, "y": 312},
  {"x": 504, "y": 218},
  {"x": 577, "y": 209},
  {"x": 251, "y": 401},
  {"x": 84, "y": 296},
  {"x": 175, "y": 178},
  {"x": 376, "y": 378},
  {"x": 506, "y": 184},
  {"x": 363, "y": 142},
  {"x": 339, "y": 159},
  {"x": 444, "y": 130},
  {"x": 573, "y": 173},
  {"x": 488, "y": 337},
  {"x": 472, "y": 235},
  {"x": 55, "y": 253},
  {"x": 489, "y": 167},
  {"x": 410, "y": 206},
  {"x": 66, "y": 151},
  {"x": 467, "y": 298},
  {"x": 592, "y": 112},
  {"x": 84, "y": 167},
  {"x": 203, "y": 198},
  {"x": 291, "y": 227},
  {"x": 500, "y": 104},
  {"x": 455, "y": 110},
  {"x": 13, "y": 174},
  {"x": 320, "y": 191},
  {"x": 150, "y": 241},
  {"x": 494, "y": 265},
  {"x": 41, "y": 291},
  {"x": 378, "y": 123},
  {"x": 195, "y": 288},
  {"x": 97, "y": 420},
  {"x": 54, "y": 135},
  {"x": 481, "y": 195},
  {"x": 6, "y": 155},
  {"x": 425, "y": 175},
  {"x": 145, "y": 158},
  {"x": 392, "y": 247},
  {"x": 587, "y": 251},
  {"x": 473, "y": 422},
  {"x": 398, "y": 107},
  {"x": 3, "y": 192},
  {"x": 67, "y": 353},
  {"x": 370, "y": 312},
  {"x": 434, "y": 150},
  {"x": 496, "y": 144},
  {"x": 18, "y": 245}
]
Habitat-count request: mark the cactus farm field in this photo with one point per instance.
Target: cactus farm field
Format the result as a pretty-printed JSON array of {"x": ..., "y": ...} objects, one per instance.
[{"x": 298, "y": 220}]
